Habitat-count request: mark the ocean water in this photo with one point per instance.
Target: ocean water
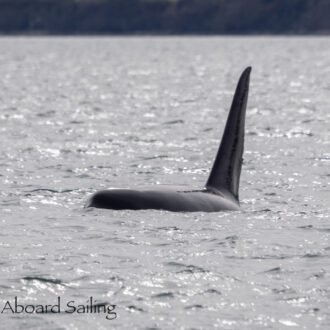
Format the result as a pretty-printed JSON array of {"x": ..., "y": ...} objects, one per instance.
[{"x": 79, "y": 114}]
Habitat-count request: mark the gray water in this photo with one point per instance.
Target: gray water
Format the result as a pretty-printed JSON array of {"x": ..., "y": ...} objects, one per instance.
[{"x": 82, "y": 114}]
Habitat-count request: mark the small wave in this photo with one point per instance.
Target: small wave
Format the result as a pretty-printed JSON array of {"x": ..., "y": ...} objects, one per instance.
[
  {"x": 49, "y": 190},
  {"x": 46, "y": 114},
  {"x": 193, "y": 307},
  {"x": 133, "y": 308},
  {"x": 305, "y": 227},
  {"x": 169, "y": 228},
  {"x": 284, "y": 290},
  {"x": 275, "y": 270},
  {"x": 42, "y": 279},
  {"x": 186, "y": 268},
  {"x": 173, "y": 122},
  {"x": 213, "y": 291},
  {"x": 155, "y": 157},
  {"x": 164, "y": 295},
  {"x": 229, "y": 240},
  {"x": 313, "y": 255}
]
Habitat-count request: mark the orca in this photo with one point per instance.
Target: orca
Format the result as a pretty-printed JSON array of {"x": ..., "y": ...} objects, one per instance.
[{"x": 221, "y": 190}]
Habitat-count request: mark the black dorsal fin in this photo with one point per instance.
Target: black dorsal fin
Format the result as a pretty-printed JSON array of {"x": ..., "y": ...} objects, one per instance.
[{"x": 226, "y": 170}]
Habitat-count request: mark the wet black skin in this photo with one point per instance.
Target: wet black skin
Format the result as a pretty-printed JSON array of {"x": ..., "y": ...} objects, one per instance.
[
  {"x": 163, "y": 199},
  {"x": 221, "y": 190}
]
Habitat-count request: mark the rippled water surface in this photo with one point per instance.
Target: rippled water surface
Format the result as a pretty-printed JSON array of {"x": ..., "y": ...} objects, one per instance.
[{"x": 81, "y": 114}]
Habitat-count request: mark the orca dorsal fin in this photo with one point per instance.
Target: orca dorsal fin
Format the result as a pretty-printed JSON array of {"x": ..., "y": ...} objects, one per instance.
[{"x": 226, "y": 170}]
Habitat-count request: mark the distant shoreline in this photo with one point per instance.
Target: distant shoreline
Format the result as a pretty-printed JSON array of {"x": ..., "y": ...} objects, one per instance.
[
  {"x": 164, "y": 17},
  {"x": 45, "y": 34}
]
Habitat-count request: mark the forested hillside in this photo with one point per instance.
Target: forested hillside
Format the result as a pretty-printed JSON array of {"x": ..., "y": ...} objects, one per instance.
[{"x": 165, "y": 16}]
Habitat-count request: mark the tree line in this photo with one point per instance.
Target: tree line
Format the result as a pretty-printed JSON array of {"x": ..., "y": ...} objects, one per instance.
[{"x": 164, "y": 16}]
